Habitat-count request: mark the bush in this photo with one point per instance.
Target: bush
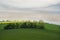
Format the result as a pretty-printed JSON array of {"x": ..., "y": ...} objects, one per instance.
[
  {"x": 27, "y": 24},
  {"x": 23, "y": 25},
  {"x": 40, "y": 24},
  {"x": 10, "y": 26}
]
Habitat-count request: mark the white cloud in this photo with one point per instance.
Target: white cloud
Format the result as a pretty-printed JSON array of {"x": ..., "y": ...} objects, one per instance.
[
  {"x": 27, "y": 3},
  {"x": 6, "y": 5},
  {"x": 17, "y": 4}
]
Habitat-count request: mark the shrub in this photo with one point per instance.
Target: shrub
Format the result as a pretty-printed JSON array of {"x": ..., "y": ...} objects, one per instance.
[
  {"x": 41, "y": 24},
  {"x": 24, "y": 25},
  {"x": 27, "y": 24},
  {"x": 10, "y": 26}
]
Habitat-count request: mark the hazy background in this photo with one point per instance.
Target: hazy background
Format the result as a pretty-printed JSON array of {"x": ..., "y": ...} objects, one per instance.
[{"x": 47, "y": 10}]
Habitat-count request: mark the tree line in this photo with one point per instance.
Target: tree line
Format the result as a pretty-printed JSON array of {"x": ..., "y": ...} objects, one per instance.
[{"x": 26, "y": 24}]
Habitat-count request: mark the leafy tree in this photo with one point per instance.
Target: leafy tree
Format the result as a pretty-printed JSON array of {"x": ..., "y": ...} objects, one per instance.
[
  {"x": 10, "y": 26},
  {"x": 41, "y": 22}
]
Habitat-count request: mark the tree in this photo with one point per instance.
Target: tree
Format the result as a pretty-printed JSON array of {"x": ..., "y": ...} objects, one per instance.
[
  {"x": 10, "y": 26},
  {"x": 41, "y": 22}
]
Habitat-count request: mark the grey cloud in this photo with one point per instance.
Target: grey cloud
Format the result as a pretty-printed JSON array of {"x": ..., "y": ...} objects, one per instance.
[{"x": 55, "y": 6}]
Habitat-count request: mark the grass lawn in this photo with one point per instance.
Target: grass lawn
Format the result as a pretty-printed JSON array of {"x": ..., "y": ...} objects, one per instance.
[
  {"x": 29, "y": 34},
  {"x": 51, "y": 32}
]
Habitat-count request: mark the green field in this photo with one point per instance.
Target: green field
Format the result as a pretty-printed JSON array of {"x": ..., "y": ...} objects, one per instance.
[
  {"x": 29, "y": 34},
  {"x": 51, "y": 32}
]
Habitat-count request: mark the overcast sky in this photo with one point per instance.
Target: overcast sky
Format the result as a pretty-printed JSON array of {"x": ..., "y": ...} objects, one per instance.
[{"x": 11, "y": 4}]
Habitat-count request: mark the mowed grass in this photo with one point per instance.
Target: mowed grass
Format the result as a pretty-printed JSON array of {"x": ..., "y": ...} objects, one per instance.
[
  {"x": 52, "y": 27},
  {"x": 51, "y": 32},
  {"x": 29, "y": 34}
]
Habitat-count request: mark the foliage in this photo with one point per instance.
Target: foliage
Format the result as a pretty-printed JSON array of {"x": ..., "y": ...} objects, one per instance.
[{"x": 26, "y": 24}]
